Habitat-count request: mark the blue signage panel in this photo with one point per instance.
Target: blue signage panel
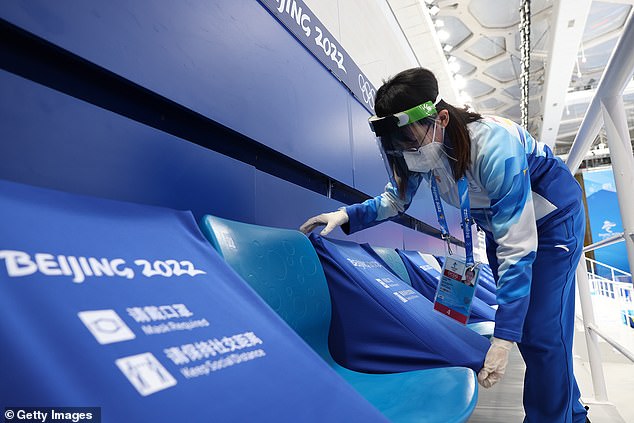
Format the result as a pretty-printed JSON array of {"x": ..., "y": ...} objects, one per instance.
[
  {"x": 309, "y": 30},
  {"x": 127, "y": 309},
  {"x": 605, "y": 219}
]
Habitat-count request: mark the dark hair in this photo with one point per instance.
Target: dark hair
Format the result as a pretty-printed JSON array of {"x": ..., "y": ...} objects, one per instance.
[{"x": 412, "y": 87}]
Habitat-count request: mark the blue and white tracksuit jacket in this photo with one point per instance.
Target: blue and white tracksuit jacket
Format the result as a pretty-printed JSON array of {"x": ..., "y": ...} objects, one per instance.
[{"x": 516, "y": 186}]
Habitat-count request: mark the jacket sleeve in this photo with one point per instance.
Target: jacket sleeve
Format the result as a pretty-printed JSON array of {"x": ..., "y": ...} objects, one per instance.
[
  {"x": 382, "y": 207},
  {"x": 503, "y": 169}
]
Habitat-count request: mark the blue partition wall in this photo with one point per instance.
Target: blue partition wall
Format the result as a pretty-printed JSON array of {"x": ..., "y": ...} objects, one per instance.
[{"x": 77, "y": 124}]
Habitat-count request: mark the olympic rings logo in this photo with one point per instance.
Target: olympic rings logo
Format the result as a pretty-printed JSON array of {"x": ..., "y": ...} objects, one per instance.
[{"x": 367, "y": 91}]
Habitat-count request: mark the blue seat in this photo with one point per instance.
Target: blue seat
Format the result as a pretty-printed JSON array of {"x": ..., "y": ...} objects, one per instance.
[
  {"x": 393, "y": 260},
  {"x": 381, "y": 324},
  {"x": 487, "y": 280},
  {"x": 126, "y": 307},
  {"x": 282, "y": 266},
  {"x": 425, "y": 279}
]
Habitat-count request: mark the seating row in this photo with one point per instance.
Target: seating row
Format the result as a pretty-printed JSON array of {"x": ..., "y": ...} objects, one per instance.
[{"x": 126, "y": 307}]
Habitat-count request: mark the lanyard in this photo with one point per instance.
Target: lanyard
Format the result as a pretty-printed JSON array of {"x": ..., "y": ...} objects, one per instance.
[{"x": 465, "y": 215}]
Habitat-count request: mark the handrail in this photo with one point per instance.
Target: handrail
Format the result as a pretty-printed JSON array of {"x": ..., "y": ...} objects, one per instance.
[
  {"x": 620, "y": 237},
  {"x": 591, "y": 325},
  {"x": 619, "y": 284},
  {"x": 592, "y": 342},
  {"x": 616, "y": 269},
  {"x": 617, "y": 74},
  {"x": 620, "y": 348}
]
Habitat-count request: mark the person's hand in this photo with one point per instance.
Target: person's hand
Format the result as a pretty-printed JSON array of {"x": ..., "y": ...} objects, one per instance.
[
  {"x": 331, "y": 220},
  {"x": 495, "y": 362}
]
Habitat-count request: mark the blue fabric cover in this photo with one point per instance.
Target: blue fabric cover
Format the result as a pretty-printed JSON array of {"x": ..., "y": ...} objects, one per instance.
[
  {"x": 380, "y": 324},
  {"x": 51, "y": 357},
  {"x": 425, "y": 280},
  {"x": 487, "y": 281}
]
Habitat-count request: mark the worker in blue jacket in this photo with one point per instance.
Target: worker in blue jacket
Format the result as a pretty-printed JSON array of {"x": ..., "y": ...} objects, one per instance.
[{"x": 522, "y": 196}]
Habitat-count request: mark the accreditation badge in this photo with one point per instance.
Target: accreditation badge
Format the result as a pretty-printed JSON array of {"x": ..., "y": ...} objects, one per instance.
[{"x": 456, "y": 289}]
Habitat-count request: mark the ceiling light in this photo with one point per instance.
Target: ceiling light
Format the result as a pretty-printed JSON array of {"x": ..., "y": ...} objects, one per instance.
[
  {"x": 439, "y": 23},
  {"x": 434, "y": 10},
  {"x": 443, "y": 35},
  {"x": 448, "y": 48},
  {"x": 454, "y": 66},
  {"x": 465, "y": 98},
  {"x": 429, "y": 1}
]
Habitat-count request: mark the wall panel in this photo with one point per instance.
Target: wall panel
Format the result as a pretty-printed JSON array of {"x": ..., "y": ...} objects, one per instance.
[
  {"x": 282, "y": 204},
  {"x": 229, "y": 60},
  {"x": 55, "y": 141}
]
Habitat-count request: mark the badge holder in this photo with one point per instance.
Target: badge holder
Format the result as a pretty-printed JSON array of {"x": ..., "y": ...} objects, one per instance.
[{"x": 459, "y": 278}]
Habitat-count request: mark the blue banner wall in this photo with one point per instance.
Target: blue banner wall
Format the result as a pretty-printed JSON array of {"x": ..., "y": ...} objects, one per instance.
[
  {"x": 605, "y": 219},
  {"x": 299, "y": 19},
  {"x": 56, "y": 141},
  {"x": 229, "y": 60}
]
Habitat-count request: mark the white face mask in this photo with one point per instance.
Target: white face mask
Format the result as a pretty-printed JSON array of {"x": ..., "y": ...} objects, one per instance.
[{"x": 424, "y": 159}]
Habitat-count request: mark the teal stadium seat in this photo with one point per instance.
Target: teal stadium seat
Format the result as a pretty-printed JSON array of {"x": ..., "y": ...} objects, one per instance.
[
  {"x": 393, "y": 261},
  {"x": 485, "y": 329},
  {"x": 282, "y": 267}
]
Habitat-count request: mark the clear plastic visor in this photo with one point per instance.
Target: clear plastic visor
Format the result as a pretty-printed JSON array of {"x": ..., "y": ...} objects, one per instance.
[{"x": 410, "y": 137}]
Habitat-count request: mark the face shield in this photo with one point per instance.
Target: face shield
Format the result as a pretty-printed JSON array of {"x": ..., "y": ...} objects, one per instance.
[{"x": 402, "y": 137}]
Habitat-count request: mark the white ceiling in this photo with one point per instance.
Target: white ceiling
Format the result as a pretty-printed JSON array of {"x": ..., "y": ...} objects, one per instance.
[{"x": 571, "y": 42}]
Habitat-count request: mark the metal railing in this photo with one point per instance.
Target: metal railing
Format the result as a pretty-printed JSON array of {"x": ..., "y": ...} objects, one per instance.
[
  {"x": 626, "y": 353},
  {"x": 616, "y": 275},
  {"x": 590, "y": 282},
  {"x": 607, "y": 109},
  {"x": 618, "y": 289}
]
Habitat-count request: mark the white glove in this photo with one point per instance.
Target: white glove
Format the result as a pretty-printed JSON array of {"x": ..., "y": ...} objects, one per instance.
[
  {"x": 331, "y": 220},
  {"x": 495, "y": 362}
]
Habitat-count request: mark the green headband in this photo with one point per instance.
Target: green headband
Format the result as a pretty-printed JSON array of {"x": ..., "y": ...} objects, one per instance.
[
  {"x": 383, "y": 125},
  {"x": 416, "y": 113}
]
